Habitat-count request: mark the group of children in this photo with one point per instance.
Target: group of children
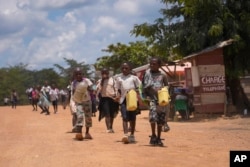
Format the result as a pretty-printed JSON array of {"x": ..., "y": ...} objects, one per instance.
[
  {"x": 43, "y": 96},
  {"x": 111, "y": 94}
]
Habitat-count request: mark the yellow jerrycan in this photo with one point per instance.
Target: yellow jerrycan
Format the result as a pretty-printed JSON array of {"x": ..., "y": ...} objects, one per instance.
[
  {"x": 131, "y": 100},
  {"x": 163, "y": 96}
]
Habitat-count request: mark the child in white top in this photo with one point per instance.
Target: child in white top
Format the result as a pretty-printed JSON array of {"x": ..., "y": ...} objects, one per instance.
[
  {"x": 126, "y": 81},
  {"x": 54, "y": 95}
]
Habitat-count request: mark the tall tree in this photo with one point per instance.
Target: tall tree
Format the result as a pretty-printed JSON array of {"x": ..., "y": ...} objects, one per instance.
[
  {"x": 67, "y": 72},
  {"x": 188, "y": 26},
  {"x": 185, "y": 26}
]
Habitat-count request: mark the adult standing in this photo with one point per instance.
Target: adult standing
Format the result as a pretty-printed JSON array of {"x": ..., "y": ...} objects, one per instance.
[
  {"x": 108, "y": 102},
  {"x": 126, "y": 82}
]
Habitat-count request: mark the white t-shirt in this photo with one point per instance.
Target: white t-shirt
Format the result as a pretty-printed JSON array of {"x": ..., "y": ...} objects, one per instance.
[
  {"x": 126, "y": 83},
  {"x": 54, "y": 94},
  {"x": 109, "y": 87},
  {"x": 46, "y": 89},
  {"x": 80, "y": 90}
]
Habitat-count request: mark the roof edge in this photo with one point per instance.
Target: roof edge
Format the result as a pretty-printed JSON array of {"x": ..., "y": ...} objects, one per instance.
[{"x": 209, "y": 49}]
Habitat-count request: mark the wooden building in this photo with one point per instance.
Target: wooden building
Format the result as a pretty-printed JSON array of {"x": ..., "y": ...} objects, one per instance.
[{"x": 206, "y": 79}]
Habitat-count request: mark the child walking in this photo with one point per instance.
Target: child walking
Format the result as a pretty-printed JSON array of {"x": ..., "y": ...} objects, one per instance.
[
  {"x": 125, "y": 82},
  {"x": 153, "y": 81},
  {"x": 108, "y": 99},
  {"x": 43, "y": 102},
  {"x": 82, "y": 101},
  {"x": 54, "y": 96}
]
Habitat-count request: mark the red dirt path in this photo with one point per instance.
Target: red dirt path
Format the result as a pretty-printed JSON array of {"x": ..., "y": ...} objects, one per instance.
[{"x": 29, "y": 139}]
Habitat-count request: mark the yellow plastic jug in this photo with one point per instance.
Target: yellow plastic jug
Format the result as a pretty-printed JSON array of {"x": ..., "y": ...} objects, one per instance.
[
  {"x": 163, "y": 96},
  {"x": 131, "y": 100}
]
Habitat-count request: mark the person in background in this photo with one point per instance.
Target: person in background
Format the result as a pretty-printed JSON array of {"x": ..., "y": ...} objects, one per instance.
[
  {"x": 183, "y": 96},
  {"x": 6, "y": 101},
  {"x": 14, "y": 98},
  {"x": 54, "y": 96},
  {"x": 125, "y": 82},
  {"x": 153, "y": 81},
  {"x": 107, "y": 93},
  {"x": 34, "y": 98},
  {"x": 29, "y": 94},
  {"x": 64, "y": 95},
  {"x": 69, "y": 91},
  {"x": 43, "y": 101},
  {"x": 46, "y": 89}
]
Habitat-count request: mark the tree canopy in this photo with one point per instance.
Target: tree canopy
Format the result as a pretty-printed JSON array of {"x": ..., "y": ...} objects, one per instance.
[
  {"x": 135, "y": 52},
  {"x": 188, "y": 26}
]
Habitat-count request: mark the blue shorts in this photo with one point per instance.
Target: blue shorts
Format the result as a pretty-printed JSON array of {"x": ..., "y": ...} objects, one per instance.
[{"x": 127, "y": 115}]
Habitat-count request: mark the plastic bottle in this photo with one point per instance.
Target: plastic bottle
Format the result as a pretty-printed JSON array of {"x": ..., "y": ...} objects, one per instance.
[
  {"x": 163, "y": 96},
  {"x": 131, "y": 100}
]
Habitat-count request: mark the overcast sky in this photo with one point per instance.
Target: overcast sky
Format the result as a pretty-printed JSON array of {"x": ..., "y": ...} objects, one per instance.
[{"x": 41, "y": 33}]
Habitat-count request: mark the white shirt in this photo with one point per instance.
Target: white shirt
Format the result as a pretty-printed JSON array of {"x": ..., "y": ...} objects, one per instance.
[
  {"x": 54, "y": 94},
  {"x": 109, "y": 87},
  {"x": 46, "y": 89},
  {"x": 126, "y": 83},
  {"x": 80, "y": 92},
  {"x": 63, "y": 92}
]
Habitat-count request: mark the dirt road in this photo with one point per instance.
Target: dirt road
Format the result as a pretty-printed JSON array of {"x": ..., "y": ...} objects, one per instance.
[{"x": 28, "y": 139}]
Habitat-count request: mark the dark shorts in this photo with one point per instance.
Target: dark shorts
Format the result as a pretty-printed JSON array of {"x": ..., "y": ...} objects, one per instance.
[
  {"x": 54, "y": 103},
  {"x": 108, "y": 107},
  {"x": 127, "y": 115},
  {"x": 94, "y": 109}
]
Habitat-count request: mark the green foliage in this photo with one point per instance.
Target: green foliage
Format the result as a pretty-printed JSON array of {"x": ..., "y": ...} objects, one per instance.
[
  {"x": 20, "y": 78},
  {"x": 136, "y": 53},
  {"x": 188, "y": 26},
  {"x": 17, "y": 78},
  {"x": 185, "y": 27}
]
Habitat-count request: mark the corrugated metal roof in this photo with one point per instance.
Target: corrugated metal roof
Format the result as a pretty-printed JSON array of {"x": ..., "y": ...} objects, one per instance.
[{"x": 209, "y": 49}]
